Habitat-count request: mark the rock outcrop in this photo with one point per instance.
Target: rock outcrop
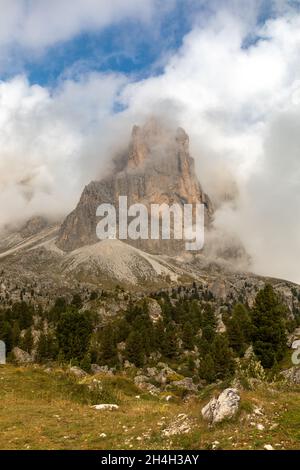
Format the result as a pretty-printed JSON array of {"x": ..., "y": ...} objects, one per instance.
[
  {"x": 182, "y": 424},
  {"x": 78, "y": 372},
  {"x": 223, "y": 407},
  {"x": 292, "y": 375},
  {"x": 21, "y": 357},
  {"x": 156, "y": 169},
  {"x": 33, "y": 226},
  {"x": 186, "y": 384},
  {"x": 105, "y": 370}
]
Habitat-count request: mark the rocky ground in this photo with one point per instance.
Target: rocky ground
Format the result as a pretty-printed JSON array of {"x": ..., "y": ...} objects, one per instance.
[
  {"x": 33, "y": 269},
  {"x": 52, "y": 408}
]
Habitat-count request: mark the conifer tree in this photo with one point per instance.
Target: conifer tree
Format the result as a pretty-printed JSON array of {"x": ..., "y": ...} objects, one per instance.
[
  {"x": 47, "y": 347},
  {"x": 15, "y": 333},
  {"x": 222, "y": 356},
  {"x": 159, "y": 336},
  {"x": 134, "y": 348},
  {"x": 108, "y": 348},
  {"x": 27, "y": 341},
  {"x": 188, "y": 336},
  {"x": 42, "y": 348},
  {"x": 209, "y": 323},
  {"x": 207, "y": 368},
  {"x": 268, "y": 327},
  {"x": 170, "y": 346},
  {"x": 73, "y": 331},
  {"x": 77, "y": 301},
  {"x": 6, "y": 334},
  {"x": 239, "y": 329},
  {"x": 85, "y": 364}
]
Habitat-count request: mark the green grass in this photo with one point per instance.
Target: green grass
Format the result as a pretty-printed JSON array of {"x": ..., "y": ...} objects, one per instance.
[{"x": 41, "y": 410}]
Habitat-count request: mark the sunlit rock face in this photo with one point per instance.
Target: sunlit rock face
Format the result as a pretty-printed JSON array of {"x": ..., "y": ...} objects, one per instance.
[{"x": 157, "y": 168}]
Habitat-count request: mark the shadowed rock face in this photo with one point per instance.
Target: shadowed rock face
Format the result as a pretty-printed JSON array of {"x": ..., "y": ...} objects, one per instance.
[
  {"x": 33, "y": 226},
  {"x": 156, "y": 169}
]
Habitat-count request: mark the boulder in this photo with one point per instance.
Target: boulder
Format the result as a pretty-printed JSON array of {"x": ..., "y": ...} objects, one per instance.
[
  {"x": 128, "y": 365},
  {"x": 167, "y": 375},
  {"x": 106, "y": 407},
  {"x": 294, "y": 336},
  {"x": 224, "y": 407},
  {"x": 140, "y": 379},
  {"x": 151, "y": 371},
  {"x": 182, "y": 424},
  {"x": 96, "y": 369},
  {"x": 150, "y": 388},
  {"x": 185, "y": 384},
  {"x": 292, "y": 375},
  {"x": 80, "y": 373},
  {"x": 154, "y": 310},
  {"x": 249, "y": 353},
  {"x": 21, "y": 357},
  {"x": 268, "y": 447},
  {"x": 221, "y": 327}
]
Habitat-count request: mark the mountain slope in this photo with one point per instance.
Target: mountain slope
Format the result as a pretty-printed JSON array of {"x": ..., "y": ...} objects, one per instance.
[{"x": 52, "y": 259}]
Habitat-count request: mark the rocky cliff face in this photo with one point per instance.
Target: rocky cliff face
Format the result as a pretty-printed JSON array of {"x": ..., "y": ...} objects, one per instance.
[
  {"x": 156, "y": 169},
  {"x": 33, "y": 226}
]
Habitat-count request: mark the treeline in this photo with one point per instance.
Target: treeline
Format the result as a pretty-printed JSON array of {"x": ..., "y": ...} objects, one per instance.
[
  {"x": 13, "y": 320},
  {"x": 185, "y": 334},
  {"x": 63, "y": 333}
]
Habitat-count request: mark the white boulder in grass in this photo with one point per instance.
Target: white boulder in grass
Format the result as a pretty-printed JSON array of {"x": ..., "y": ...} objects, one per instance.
[
  {"x": 224, "y": 407},
  {"x": 106, "y": 407}
]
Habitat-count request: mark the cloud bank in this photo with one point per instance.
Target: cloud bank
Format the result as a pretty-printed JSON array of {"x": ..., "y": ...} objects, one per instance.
[
  {"x": 37, "y": 24},
  {"x": 234, "y": 85}
]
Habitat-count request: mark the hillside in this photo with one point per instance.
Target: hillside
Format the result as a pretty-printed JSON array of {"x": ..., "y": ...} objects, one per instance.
[
  {"x": 32, "y": 267},
  {"x": 43, "y": 409},
  {"x": 43, "y": 259},
  {"x": 147, "y": 327}
]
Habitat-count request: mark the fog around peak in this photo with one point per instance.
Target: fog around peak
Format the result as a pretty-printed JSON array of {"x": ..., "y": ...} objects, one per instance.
[{"x": 233, "y": 86}]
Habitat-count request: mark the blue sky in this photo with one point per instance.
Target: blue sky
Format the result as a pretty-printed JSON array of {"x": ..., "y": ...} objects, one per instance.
[
  {"x": 127, "y": 48},
  {"x": 131, "y": 46}
]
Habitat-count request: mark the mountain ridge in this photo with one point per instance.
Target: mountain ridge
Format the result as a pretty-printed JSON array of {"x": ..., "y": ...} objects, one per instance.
[{"x": 36, "y": 254}]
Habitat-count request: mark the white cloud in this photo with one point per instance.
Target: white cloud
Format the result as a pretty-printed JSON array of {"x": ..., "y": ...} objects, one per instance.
[
  {"x": 42, "y": 142},
  {"x": 28, "y": 28},
  {"x": 240, "y": 106},
  {"x": 37, "y": 24},
  {"x": 241, "y": 109}
]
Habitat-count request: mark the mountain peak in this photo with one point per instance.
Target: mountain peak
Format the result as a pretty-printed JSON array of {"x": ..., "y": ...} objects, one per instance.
[
  {"x": 154, "y": 141},
  {"x": 158, "y": 169}
]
